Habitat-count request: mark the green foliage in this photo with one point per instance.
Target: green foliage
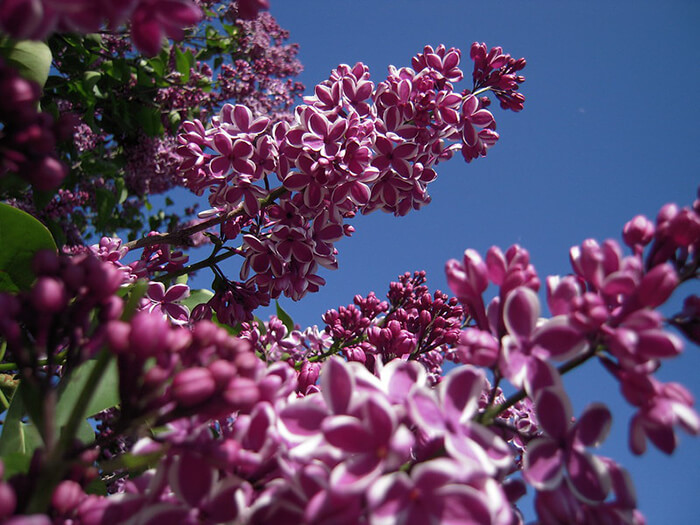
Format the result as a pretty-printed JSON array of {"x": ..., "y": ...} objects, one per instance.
[
  {"x": 19, "y": 436},
  {"x": 21, "y": 237},
  {"x": 105, "y": 395},
  {"x": 284, "y": 317},
  {"x": 197, "y": 297},
  {"x": 32, "y": 59}
]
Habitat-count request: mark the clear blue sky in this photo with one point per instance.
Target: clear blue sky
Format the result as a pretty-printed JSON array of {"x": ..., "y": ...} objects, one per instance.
[{"x": 610, "y": 129}]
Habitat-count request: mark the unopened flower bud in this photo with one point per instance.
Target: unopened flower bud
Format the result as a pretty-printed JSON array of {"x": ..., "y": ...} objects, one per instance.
[
  {"x": 49, "y": 295},
  {"x": 657, "y": 285},
  {"x": 638, "y": 232},
  {"x": 8, "y": 500},
  {"x": 66, "y": 497},
  {"x": 193, "y": 386}
]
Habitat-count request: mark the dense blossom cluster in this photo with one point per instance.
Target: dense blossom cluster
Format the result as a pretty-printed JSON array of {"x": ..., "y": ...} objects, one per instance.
[
  {"x": 420, "y": 408},
  {"x": 356, "y": 424},
  {"x": 353, "y": 147}
]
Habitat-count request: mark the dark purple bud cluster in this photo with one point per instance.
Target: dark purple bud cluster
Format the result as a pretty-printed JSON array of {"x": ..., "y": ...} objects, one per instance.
[
  {"x": 57, "y": 313},
  {"x": 28, "y": 136}
]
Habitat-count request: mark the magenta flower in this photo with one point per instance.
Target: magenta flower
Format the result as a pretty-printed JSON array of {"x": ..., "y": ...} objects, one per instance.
[
  {"x": 166, "y": 301},
  {"x": 152, "y": 20},
  {"x": 528, "y": 344},
  {"x": 372, "y": 440},
  {"x": 450, "y": 414},
  {"x": 562, "y": 448},
  {"x": 476, "y": 143},
  {"x": 437, "y": 491},
  {"x": 662, "y": 406}
]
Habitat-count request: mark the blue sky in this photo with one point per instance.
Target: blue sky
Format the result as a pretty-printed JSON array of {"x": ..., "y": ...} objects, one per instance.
[{"x": 610, "y": 130}]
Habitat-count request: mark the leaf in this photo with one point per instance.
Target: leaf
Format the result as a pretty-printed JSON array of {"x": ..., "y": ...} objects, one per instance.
[
  {"x": 21, "y": 237},
  {"x": 15, "y": 463},
  {"x": 284, "y": 317},
  {"x": 133, "y": 462},
  {"x": 106, "y": 201},
  {"x": 150, "y": 121},
  {"x": 18, "y": 436},
  {"x": 106, "y": 394},
  {"x": 31, "y": 58},
  {"x": 197, "y": 297},
  {"x": 90, "y": 79},
  {"x": 183, "y": 63}
]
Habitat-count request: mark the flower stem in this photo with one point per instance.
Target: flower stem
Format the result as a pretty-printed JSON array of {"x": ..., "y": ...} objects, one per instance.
[
  {"x": 181, "y": 237},
  {"x": 488, "y": 416}
]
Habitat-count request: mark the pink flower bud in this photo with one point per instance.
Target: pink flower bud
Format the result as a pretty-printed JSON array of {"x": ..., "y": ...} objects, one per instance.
[
  {"x": 8, "y": 500},
  {"x": 587, "y": 261},
  {"x": 685, "y": 228},
  {"x": 49, "y": 295},
  {"x": 241, "y": 393},
  {"x": 657, "y": 285},
  {"x": 477, "y": 347},
  {"x": 638, "y": 232},
  {"x": 469, "y": 279},
  {"x": 149, "y": 334},
  {"x": 193, "y": 386},
  {"x": 67, "y": 496},
  {"x": 46, "y": 262},
  {"x": 560, "y": 292},
  {"x": 118, "y": 336},
  {"x": 222, "y": 371},
  {"x": 308, "y": 375},
  {"x": 47, "y": 173}
]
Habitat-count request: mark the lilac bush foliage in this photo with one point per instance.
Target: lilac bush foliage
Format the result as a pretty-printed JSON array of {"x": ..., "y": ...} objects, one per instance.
[{"x": 417, "y": 408}]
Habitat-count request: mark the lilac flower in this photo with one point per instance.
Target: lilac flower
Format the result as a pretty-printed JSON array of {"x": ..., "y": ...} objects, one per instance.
[
  {"x": 152, "y": 20},
  {"x": 437, "y": 491},
  {"x": 166, "y": 301},
  {"x": 563, "y": 447},
  {"x": 527, "y": 345},
  {"x": 476, "y": 143},
  {"x": 449, "y": 415},
  {"x": 662, "y": 406}
]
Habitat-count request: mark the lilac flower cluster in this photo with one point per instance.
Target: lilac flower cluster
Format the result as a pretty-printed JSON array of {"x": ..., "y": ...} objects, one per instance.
[
  {"x": 352, "y": 147},
  {"x": 357, "y": 424},
  {"x": 259, "y": 77},
  {"x": 605, "y": 309}
]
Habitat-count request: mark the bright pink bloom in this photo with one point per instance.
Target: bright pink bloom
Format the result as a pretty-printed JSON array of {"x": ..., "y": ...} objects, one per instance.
[{"x": 562, "y": 448}]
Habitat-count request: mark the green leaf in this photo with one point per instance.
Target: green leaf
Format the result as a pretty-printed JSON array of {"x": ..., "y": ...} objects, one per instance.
[
  {"x": 197, "y": 297},
  {"x": 183, "y": 63},
  {"x": 15, "y": 463},
  {"x": 90, "y": 79},
  {"x": 122, "y": 192},
  {"x": 21, "y": 237},
  {"x": 174, "y": 118},
  {"x": 150, "y": 121},
  {"x": 106, "y": 201},
  {"x": 106, "y": 394},
  {"x": 18, "y": 436},
  {"x": 133, "y": 462},
  {"x": 31, "y": 58},
  {"x": 136, "y": 292},
  {"x": 284, "y": 317}
]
